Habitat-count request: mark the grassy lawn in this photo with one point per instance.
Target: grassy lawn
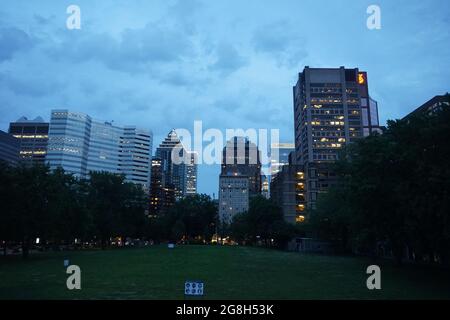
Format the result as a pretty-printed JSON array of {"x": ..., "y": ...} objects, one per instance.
[{"x": 228, "y": 272}]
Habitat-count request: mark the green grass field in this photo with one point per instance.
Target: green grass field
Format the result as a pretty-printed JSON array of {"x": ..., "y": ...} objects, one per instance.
[{"x": 228, "y": 273}]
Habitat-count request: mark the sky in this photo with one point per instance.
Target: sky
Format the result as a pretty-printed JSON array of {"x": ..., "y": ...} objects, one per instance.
[{"x": 229, "y": 63}]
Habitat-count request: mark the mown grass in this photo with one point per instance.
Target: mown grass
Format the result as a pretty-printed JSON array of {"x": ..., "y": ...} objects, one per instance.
[{"x": 228, "y": 273}]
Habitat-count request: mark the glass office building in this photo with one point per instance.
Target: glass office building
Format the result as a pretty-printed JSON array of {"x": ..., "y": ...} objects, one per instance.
[{"x": 79, "y": 145}]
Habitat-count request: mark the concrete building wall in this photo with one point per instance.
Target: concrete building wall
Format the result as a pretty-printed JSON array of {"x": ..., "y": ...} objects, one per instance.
[{"x": 233, "y": 196}]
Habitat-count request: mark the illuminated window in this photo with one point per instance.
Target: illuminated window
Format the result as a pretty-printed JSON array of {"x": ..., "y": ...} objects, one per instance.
[
  {"x": 361, "y": 78},
  {"x": 299, "y": 219}
]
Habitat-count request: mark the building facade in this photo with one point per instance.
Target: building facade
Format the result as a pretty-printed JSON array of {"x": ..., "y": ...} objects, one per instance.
[
  {"x": 33, "y": 138},
  {"x": 279, "y": 156},
  {"x": 432, "y": 106},
  {"x": 174, "y": 174},
  {"x": 162, "y": 197},
  {"x": 191, "y": 173},
  {"x": 179, "y": 166},
  {"x": 80, "y": 144},
  {"x": 9, "y": 148},
  {"x": 265, "y": 186},
  {"x": 233, "y": 196},
  {"x": 288, "y": 190},
  {"x": 242, "y": 157},
  {"x": 332, "y": 107}
]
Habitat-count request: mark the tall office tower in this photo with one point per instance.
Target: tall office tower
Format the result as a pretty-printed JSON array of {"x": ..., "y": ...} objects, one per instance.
[
  {"x": 279, "y": 156},
  {"x": 33, "y": 138},
  {"x": 161, "y": 197},
  {"x": 9, "y": 148},
  {"x": 155, "y": 188},
  {"x": 233, "y": 196},
  {"x": 79, "y": 145},
  {"x": 68, "y": 142},
  {"x": 191, "y": 173},
  {"x": 332, "y": 107},
  {"x": 172, "y": 172},
  {"x": 135, "y": 157},
  {"x": 241, "y": 157}
]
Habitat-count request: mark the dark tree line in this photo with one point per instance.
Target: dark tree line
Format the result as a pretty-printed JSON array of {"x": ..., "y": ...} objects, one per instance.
[
  {"x": 58, "y": 208},
  {"x": 192, "y": 219},
  {"x": 393, "y": 194},
  {"x": 262, "y": 224}
]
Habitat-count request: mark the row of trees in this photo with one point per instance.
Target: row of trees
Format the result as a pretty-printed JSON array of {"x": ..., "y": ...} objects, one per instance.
[
  {"x": 192, "y": 219},
  {"x": 56, "y": 207},
  {"x": 393, "y": 193},
  {"x": 262, "y": 224}
]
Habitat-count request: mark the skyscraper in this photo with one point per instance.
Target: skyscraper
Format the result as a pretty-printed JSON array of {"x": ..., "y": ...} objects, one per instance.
[
  {"x": 191, "y": 173},
  {"x": 173, "y": 164},
  {"x": 332, "y": 107},
  {"x": 174, "y": 174},
  {"x": 162, "y": 197},
  {"x": 79, "y": 144},
  {"x": 33, "y": 139},
  {"x": 242, "y": 157},
  {"x": 240, "y": 177}
]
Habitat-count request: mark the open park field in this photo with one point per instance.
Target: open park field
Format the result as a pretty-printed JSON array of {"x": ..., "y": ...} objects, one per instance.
[{"x": 228, "y": 273}]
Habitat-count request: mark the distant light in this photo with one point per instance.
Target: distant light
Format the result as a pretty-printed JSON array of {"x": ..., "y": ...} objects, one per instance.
[
  {"x": 361, "y": 78},
  {"x": 38, "y": 240}
]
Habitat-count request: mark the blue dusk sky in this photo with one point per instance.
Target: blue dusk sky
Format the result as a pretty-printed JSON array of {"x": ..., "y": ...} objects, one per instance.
[{"x": 230, "y": 63}]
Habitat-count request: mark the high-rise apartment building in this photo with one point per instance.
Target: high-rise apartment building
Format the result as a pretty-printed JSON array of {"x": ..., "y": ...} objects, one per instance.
[
  {"x": 33, "y": 139},
  {"x": 80, "y": 144},
  {"x": 332, "y": 107}
]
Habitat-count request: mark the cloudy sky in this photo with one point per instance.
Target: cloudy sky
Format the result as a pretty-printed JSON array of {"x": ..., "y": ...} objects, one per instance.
[{"x": 230, "y": 63}]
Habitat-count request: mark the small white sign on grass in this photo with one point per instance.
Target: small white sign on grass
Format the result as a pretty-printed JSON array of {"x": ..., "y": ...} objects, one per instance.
[{"x": 193, "y": 288}]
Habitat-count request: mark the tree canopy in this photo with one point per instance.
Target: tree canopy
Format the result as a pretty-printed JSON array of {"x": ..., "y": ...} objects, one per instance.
[{"x": 393, "y": 192}]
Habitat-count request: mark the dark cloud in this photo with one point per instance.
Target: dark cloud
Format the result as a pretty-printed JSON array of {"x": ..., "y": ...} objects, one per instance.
[
  {"x": 228, "y": 59},
  {"x": 33, "y": 85},
  {"x": 282, "y": 41},
  {"x": 134, "y": 50},
  {"x": 13, "y": 40},
  {"x": 41, "y": 20}
]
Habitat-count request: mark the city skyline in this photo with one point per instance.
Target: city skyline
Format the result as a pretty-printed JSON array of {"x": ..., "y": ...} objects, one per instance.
[{"x": 244, "y": 71}]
